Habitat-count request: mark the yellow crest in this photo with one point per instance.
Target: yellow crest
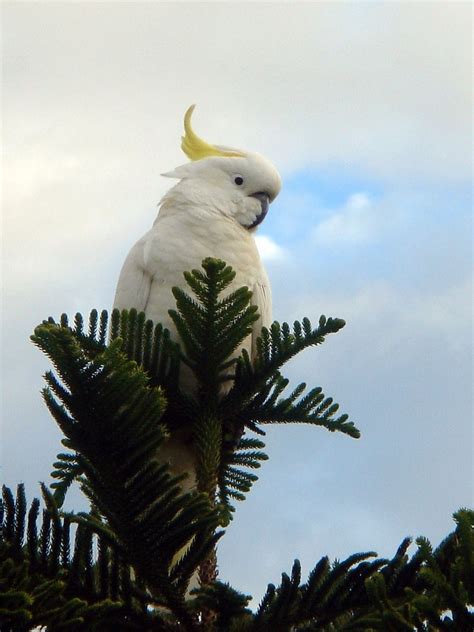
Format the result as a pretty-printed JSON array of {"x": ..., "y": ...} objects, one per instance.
[{"x": 195, "y": 148}]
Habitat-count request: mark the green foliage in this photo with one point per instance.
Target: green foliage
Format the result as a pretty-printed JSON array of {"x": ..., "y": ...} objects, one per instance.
[
  {"x": 235, "y": 394},
  {"x": 117, "y": 394},
  {"x": 227, "y": 604},
  {"x": 259, "y": 385},
  {"x": 429, "y": 592},
  {"x": 211, "y": 329},
  {"x": 110, "y": 417},
  {"x": 43, "y": 584}
]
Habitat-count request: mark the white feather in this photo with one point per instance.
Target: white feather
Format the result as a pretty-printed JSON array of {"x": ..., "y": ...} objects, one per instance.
[
  {"x": 198, "y": 218},
  {"x": 205, "y": 215}
]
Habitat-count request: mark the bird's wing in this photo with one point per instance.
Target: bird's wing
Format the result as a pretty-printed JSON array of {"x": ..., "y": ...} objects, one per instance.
[
  {"x": 262, "y": 298},
  {"x": 134, "y": 284}
]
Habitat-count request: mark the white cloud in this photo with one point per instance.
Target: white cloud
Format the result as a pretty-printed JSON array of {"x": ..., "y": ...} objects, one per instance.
[
  {"x": 305, "y": 84},
  {"x": 391, "y": 314},
  {"x": 353, "y": 223},
  {"x": 268, "y": 248},
  {"x": 34, "y": 169}
]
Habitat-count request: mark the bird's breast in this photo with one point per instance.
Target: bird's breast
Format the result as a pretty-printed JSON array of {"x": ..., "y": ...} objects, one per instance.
[{"x": 177, "y": 245}]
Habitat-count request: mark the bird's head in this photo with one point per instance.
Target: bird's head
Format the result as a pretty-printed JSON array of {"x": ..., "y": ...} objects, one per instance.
[{"x": 237, "y": 184}]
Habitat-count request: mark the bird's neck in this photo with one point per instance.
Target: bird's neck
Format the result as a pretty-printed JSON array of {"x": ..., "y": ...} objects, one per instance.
[{"x": 194, "y": 203}]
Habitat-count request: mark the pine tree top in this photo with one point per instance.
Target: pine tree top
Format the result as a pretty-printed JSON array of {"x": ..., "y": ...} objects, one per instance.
[{"x": 117, "y": 396}]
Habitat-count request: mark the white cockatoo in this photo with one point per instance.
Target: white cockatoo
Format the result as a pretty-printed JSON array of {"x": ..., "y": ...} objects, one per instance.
[{"x": 223, "y": 194}]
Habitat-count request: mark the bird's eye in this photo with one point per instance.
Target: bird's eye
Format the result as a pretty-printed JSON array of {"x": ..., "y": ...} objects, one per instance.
[{"x": 238, "y": 180}]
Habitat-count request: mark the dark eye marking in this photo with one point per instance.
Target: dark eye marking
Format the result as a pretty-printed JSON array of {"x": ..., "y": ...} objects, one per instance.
[{"x": 238, "y": 180}]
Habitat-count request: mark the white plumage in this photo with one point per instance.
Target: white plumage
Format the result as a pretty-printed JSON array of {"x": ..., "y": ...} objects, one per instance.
[{"x": 213, "y": 211}]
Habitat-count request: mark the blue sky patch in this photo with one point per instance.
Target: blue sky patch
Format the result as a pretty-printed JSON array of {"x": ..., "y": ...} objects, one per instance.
[{"x": 333, "y": 184}]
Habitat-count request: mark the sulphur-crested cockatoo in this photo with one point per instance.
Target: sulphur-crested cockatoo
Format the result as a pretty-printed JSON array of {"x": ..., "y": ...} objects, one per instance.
[{"x": 222, "y": 196}]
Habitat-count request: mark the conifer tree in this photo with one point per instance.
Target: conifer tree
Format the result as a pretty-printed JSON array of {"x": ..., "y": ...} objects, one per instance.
[{"x": 126, "y": 564}]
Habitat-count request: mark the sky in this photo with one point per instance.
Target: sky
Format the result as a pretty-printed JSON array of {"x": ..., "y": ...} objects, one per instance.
[{"x": 365, "y": 108}]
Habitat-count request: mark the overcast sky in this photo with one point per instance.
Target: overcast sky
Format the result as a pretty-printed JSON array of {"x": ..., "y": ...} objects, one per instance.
[{"x": 365, "y": 109}]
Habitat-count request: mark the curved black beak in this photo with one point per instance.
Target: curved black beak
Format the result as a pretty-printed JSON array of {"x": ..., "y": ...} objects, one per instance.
[{"x": 264, "y": 200}]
